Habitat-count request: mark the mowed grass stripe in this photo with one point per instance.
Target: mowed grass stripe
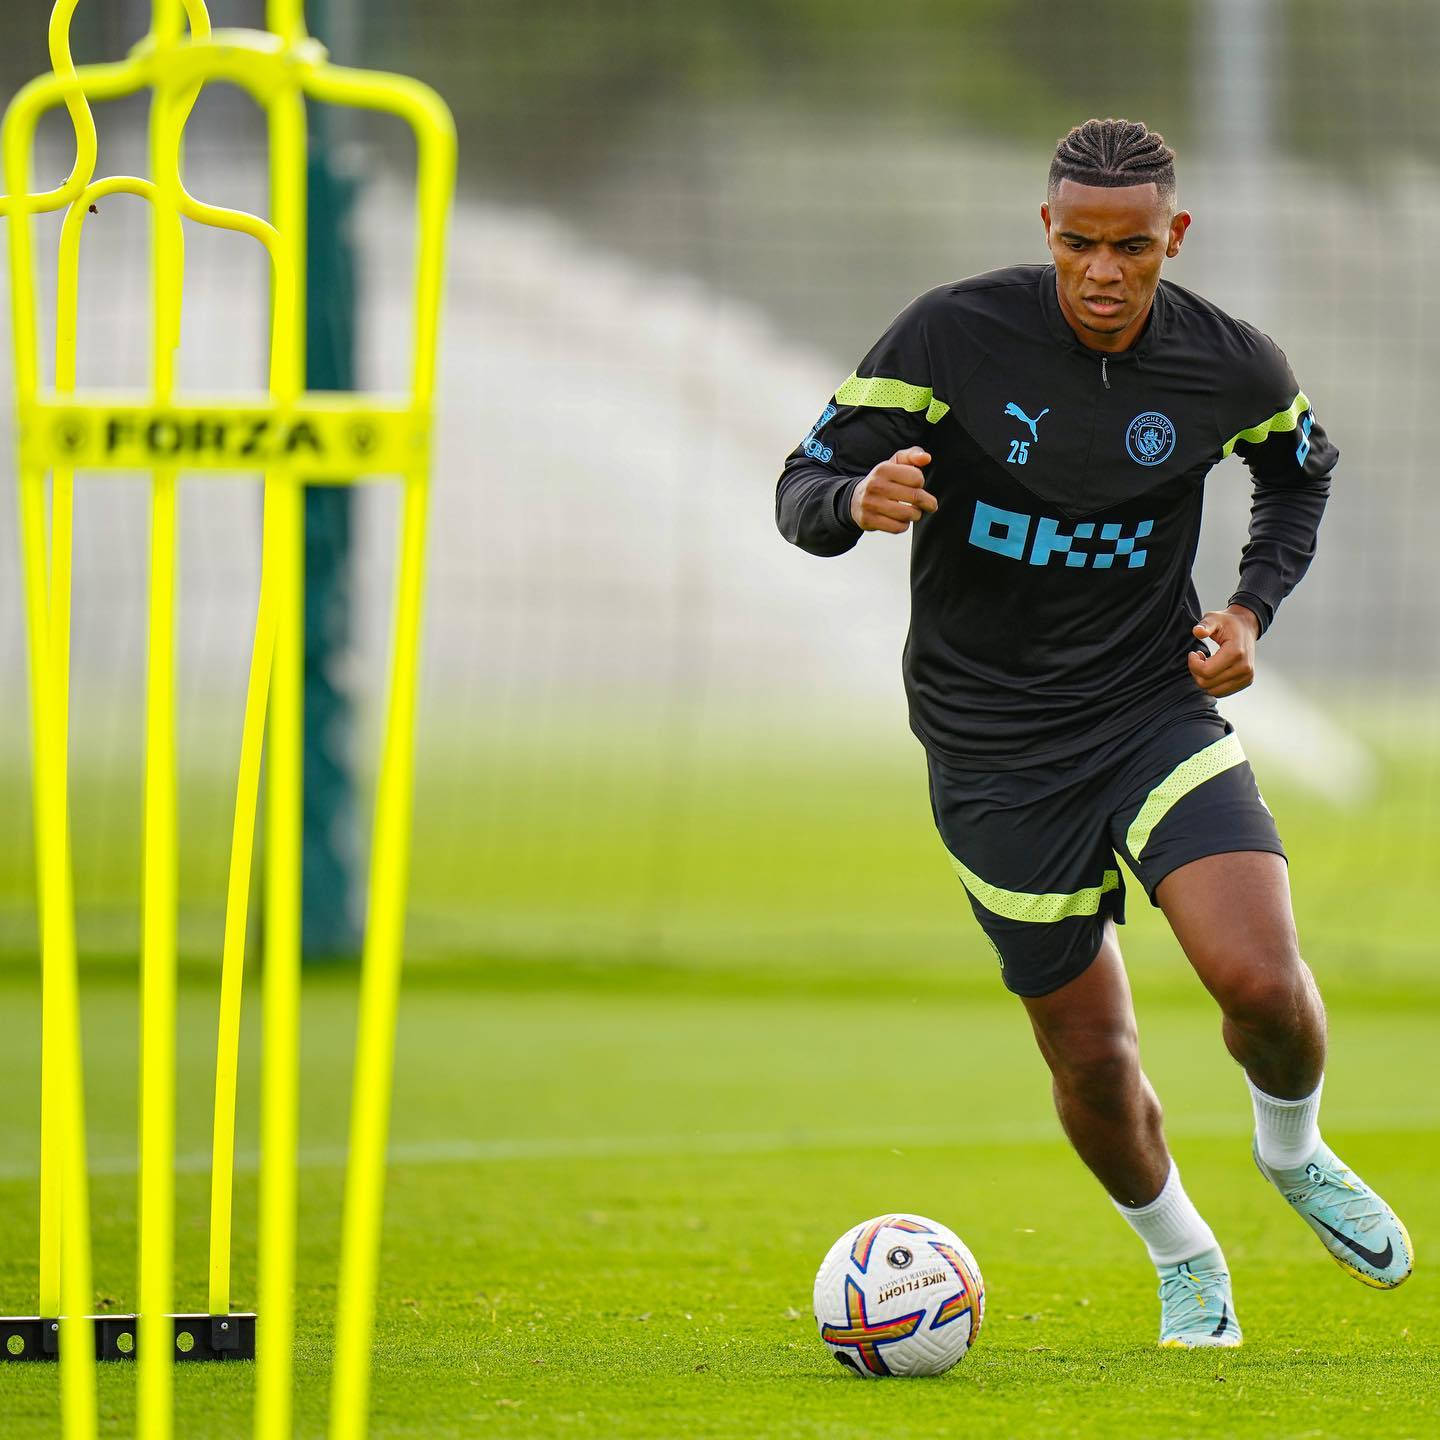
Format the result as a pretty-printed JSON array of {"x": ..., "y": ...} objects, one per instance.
[{"x": 606, "y": 1147}]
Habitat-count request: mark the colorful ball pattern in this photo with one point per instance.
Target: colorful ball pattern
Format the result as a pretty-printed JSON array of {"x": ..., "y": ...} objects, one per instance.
[{"x": 899, "y": 1295}]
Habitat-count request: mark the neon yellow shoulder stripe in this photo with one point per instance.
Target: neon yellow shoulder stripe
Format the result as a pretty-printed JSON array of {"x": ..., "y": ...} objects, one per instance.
[
  {"x": 886, "y": 394},
  {"x": 1204, "y": 765},
  {"x": 1278, "y": 423},
  {"x": 1036, "y": 909}
]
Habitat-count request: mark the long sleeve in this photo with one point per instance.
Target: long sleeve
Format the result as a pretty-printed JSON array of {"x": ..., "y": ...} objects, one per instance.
[
  {"x": 887, "y": 404},
  {"x": 1291, "y": 460},
  {"x": 812, "y": 502}
]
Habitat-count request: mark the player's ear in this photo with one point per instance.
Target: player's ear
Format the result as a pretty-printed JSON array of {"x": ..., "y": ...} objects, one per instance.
[
  {"x": 1178, "y": 226},
  {"x": 1045, "y": 216}
]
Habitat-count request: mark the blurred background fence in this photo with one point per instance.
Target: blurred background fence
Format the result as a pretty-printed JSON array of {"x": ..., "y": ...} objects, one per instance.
[{"x": 649, "y": 727}]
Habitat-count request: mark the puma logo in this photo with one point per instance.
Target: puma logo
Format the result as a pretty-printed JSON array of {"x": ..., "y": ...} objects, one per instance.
[{"x": 1013, "y": 409}]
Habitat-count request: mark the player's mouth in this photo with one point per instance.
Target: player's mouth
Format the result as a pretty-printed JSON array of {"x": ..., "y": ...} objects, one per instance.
[{"x": 1103, "y": 305}]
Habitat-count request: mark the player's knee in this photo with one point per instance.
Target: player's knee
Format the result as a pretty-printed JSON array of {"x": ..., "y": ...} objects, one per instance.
[
  {"x": 1097, "y": 1068},
  {"x": 1269, "y": 996}
]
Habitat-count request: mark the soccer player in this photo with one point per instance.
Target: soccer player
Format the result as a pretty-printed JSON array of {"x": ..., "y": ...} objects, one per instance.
[{"x": 1047, "y": 431}]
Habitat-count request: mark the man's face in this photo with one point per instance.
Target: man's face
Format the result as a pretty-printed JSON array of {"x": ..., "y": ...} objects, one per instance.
[{"x": 1109, "y": 245}]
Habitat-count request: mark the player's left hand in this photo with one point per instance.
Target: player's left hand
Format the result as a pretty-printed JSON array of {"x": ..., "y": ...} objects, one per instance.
[{"x": 1231, "y": 666}]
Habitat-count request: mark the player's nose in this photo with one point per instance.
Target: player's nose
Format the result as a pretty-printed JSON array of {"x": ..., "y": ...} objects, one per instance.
[{"x": 1104, "y": 270}]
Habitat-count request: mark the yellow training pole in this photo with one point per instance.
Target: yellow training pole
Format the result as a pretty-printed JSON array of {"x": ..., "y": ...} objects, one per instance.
[
  {"x": 280, "y": 1000},
  {"x": 62, "y": 1067},
  {"x": 280, "y": 1044},
  {"x": 379, "y": 995},
  {"x": 237, "y": 902},
  {"x": 286, "y": 18},
  {"x": 52, "y": 1042},
  {"x": 390, "y": 853},
  {"x": 65, "y": 1288},
  {"x": 77, "y": 1335},
  {"x": 158, "y": 978},
  {"x": 62, "y": 1021},
  {"x": 18, "y": 141},
  {"x": 155, "y": 1340},
  {"x": 285, "y": 350},
  {"x": 60, "y": 1042},
  {"x": 285, "y": 379},
  {"x": 77, "y": 1291}
]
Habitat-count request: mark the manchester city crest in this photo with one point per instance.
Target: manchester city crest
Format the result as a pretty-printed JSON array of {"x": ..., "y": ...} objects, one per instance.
[{"x": 1150, "y": 438}]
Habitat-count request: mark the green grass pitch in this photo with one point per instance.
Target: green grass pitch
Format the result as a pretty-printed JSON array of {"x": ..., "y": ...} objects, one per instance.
[{"x": 615, "y": 1173}]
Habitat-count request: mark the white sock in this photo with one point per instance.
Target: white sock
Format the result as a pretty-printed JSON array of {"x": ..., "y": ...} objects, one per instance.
[
  {"x": 1286, "y": 1134},
  {"x": 1170, "y": 1225}
]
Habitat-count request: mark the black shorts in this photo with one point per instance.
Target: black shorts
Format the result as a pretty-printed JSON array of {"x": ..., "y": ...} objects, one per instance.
[{"x": 1036, "y": 848}]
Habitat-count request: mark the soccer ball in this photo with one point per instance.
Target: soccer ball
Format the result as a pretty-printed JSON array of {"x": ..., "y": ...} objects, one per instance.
[{"x": 899, "y": 1295}]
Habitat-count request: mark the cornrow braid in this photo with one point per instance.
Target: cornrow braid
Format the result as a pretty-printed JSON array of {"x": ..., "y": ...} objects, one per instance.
[{"x": 1113, "y": 153}]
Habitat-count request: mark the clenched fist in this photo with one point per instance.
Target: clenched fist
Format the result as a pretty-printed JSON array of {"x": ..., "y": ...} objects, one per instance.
[
  {"x": 1230, "y": 666},
  {"x": 893, "y": 495}
]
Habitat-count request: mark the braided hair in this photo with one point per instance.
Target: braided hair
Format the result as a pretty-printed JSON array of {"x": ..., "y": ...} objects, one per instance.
[{"x": 1113, "y": 153}]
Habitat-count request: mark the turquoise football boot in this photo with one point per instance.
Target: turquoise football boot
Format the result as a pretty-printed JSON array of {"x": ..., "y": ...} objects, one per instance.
[
  {"x": 1196, "y": 1308},
  {"x": 1361, "y": 1232}
]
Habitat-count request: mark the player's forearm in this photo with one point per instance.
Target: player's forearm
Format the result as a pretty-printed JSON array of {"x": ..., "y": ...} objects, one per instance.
[
  {"x": 1284, "y": 523},
  {"x": 812, "y": 509}
]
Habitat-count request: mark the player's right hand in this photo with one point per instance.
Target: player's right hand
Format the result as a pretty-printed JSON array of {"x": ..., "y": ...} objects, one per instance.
[{"x": 893, "y": 495}]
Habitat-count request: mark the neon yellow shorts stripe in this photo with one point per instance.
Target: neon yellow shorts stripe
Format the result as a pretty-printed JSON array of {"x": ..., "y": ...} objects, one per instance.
[
  {"x": 1204, "y": 765},
  {"x": 1278, "y": 423},
  {"x": 1035, "y": 909},
  {"x": 885, "y": 394}
]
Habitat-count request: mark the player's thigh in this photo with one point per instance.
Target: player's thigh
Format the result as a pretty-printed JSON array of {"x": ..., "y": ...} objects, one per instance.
[
  {"x": 1031, "y": 850},
  {"x": 1232, "y": 915},
  {"x": 1191, "y": 823},
  {"x": 1087, "y": 1026}
]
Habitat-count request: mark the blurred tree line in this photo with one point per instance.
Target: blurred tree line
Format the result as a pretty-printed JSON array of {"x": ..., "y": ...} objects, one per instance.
[{"x": 544, "y": 89}]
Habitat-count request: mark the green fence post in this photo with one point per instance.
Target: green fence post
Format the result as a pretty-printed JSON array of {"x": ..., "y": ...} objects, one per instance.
[{"x": 331, "y": 905}]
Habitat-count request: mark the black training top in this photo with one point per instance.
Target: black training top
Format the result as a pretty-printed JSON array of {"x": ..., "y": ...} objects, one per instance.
[{"x": 1051, "y": 599}]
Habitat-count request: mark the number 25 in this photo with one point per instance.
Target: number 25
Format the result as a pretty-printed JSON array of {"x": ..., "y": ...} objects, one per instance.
[{"x": 1019, "y": 452}]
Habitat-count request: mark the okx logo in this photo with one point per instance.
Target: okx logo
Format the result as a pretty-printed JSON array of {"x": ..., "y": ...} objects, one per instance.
[{"x": 1038, "y": 538}]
